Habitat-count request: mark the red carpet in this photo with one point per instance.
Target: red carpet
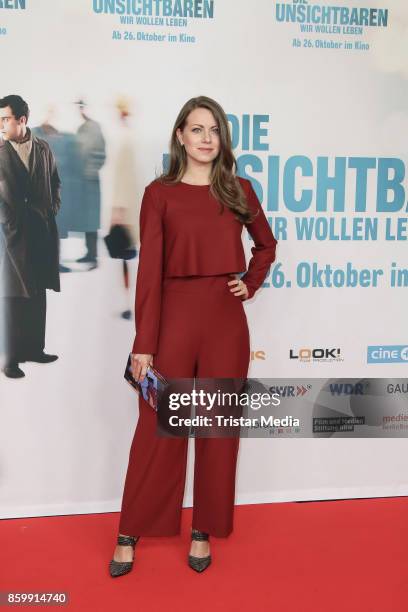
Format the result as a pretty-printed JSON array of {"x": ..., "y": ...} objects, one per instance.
[{"x": 330, "y": 556}]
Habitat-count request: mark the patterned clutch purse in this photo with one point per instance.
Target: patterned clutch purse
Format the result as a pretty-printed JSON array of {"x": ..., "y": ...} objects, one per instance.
[{"x": 150, "y": 387}]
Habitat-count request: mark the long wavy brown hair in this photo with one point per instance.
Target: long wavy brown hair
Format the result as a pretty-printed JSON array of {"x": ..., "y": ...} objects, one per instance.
[{"x": 224, "y": 185}]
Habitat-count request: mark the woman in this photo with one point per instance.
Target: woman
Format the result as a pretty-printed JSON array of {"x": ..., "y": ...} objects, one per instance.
[
  {"x": 125, "y": 210},
  {"x": 190, "y": 318}
]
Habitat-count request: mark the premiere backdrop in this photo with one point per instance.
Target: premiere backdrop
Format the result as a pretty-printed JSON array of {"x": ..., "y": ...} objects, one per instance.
[{"x": 316, "y": 96}]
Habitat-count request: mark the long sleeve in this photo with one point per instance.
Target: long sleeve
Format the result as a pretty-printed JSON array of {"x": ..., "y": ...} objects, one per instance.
[
  {"x": 55, "y": 184},
  {"x": 100, "y": 151},
  {"x": 263, "y": 253},
  {"x": 4, "y": 212},
  {"x": 149, "y": 276}
]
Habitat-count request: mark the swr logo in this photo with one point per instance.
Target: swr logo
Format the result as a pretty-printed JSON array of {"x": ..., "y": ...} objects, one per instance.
[{"x": 290, "y": 390}]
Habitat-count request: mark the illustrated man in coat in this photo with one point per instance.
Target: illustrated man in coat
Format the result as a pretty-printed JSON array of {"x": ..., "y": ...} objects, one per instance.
[
  {"x": 29, "y": 257},
  {"x": 92, "y": 150}
]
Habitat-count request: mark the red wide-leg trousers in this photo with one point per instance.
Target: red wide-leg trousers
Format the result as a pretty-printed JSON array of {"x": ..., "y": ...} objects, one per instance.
[{"x": 203, "y": 333}]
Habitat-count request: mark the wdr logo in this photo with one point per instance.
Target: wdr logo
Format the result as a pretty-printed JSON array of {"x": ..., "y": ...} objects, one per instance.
[{"x": 394, "y": 353}]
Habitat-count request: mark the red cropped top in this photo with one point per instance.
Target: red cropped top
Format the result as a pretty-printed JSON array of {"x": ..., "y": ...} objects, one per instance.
[{"x": 183, "y": 233}]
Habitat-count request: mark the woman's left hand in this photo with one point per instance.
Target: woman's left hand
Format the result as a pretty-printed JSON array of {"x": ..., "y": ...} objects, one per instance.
[
  {"x": 239, "y": 288},
  {"x": 117, "y": 216}
]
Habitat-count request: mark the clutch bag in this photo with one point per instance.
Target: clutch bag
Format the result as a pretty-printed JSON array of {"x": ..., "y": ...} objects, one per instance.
[
  {"x": 119, "y": 243},
  {"x": 150, "y": 388}
]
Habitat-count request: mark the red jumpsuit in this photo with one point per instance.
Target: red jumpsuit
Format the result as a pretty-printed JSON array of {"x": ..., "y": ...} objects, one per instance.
[{"x": 187, "y": 317}]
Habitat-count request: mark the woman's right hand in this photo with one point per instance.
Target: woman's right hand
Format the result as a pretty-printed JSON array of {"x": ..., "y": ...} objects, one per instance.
[{"x": 140, "y": 364}]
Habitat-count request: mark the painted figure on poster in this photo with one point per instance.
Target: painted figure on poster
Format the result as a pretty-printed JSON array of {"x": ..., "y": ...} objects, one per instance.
[
  {"x": 13, "y": 4},
  {"x": 125, "y": 204},
  {"x": 66, "y": 151},
  {"x": 93, "y": 155},
  {"x": 29, "y": 245}
]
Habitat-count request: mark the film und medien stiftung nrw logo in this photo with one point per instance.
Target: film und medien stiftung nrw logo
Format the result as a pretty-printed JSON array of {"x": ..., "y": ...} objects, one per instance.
[{"x": 392, "y": 353}]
